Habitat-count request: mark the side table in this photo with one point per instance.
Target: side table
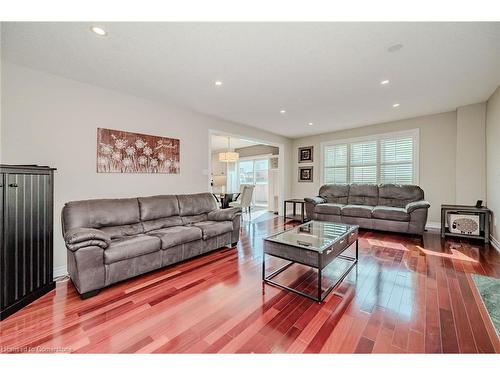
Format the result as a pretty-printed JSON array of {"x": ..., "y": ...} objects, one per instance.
[
  {"x": 483, "y": 212},
  {"x": 302, "y": 217}
]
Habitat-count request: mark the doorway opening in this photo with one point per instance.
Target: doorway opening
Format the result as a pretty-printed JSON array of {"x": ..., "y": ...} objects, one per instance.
[{"x": 237, "y": 163}]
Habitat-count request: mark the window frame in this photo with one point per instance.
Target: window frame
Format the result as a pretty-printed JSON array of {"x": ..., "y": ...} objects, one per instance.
[{"x": 413, "y": 133}]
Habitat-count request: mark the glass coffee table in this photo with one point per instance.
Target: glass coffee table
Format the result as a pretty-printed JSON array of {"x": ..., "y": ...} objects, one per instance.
[{"x": 315, "y": 244}]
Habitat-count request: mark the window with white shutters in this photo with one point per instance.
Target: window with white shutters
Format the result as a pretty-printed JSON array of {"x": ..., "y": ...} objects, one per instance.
[
  {"x": 396, "y": 160},
  {"x": 363, "y": 162},
  {"x": 336, "y": 164},
  {"x": 388, "y": 158}
]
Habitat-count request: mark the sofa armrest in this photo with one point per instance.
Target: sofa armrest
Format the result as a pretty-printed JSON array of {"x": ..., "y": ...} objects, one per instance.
[
  {"x": 315, "y": 200},
  {"x": 412, "y": 206},
  {"x": 82, "y": 237},
  {"x": 224, "y": 214}
]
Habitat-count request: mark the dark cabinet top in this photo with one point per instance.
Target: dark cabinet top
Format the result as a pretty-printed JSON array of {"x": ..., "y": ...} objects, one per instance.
[
  {"x": 20, "y": 168},
  {"x": 459, "y": 207}
]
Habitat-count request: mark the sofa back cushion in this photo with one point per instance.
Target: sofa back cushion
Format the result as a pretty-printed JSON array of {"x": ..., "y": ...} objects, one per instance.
[
  {"x": 119, "y": 231},
  {"x": 191, "y": 219},
  {"x": 363, "y": 194},
  {"x": 393, "y": 195},
  {"x": 165, "y": 222},
  {"x": 158, "y": 207},
  {"x": 334, "y": 193},
  {"x": 196, "y": 204},
  {"x": 99, "y": 213}
]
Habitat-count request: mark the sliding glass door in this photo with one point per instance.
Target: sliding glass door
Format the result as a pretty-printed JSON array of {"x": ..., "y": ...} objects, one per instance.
[{"x": 256, "y": 172}]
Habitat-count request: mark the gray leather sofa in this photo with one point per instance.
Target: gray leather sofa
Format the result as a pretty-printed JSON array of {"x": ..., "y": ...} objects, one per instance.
[
  {"x": 388, "y": 207},
  {"x": 110, "y": 240}
]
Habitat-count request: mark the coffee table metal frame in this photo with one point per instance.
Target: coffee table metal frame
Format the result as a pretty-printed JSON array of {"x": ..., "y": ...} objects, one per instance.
[{"x": 320, "y": 295}]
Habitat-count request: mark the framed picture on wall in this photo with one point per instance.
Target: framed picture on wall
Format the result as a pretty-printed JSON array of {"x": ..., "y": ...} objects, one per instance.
[
  {"x": 305, "y": 174},
  {"x": 119, "y": 151},
  {"x": 306, "y": 154}
]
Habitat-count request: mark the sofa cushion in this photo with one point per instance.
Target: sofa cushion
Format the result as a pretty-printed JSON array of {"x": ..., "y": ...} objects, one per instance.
[
  {"x": 195, "y": 204},
  {"x": 328, "y": 208},
  {"x": 224, "y": 214},
  {"x": 188, "y": 220},
  {"x": 355, "y": 210},
  {"x": 165, "y": 222},
  {"x": 335, "y": 193},
  {"x": 130, "y": 247},
  {"x": 158, "y": 206},
  {"x": 418, "y": 205},
  {"x": 399, "y": 195},
  {"x": 390, "y": 213},
  {"x": 214, "y": 228},
  {"x": 123, "y": 230},
  {"x": 176, "y": 235},
  {"x": 98, "y": 213},
  {"x": 363, "y": 194},
  {"x": 78, "y": 238},
  {"x": 315, "y": 200}
]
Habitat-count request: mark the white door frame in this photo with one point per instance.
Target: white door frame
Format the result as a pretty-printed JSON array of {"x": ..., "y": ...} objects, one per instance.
[{"x": 281, "y": 159}]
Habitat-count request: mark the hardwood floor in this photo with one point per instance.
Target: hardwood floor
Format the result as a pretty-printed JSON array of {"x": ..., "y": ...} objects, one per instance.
[{"x": 406, "y": 296}]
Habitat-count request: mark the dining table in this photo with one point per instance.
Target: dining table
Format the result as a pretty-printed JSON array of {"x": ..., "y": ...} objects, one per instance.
[{"x": 226, "y": 198}]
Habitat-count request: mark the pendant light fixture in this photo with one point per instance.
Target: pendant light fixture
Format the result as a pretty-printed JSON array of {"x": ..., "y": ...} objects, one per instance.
[{"x": 229, "y": 156}]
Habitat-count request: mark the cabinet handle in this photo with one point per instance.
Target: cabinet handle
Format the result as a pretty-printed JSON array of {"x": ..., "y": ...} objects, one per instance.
[{"x": 13, "y": 185}]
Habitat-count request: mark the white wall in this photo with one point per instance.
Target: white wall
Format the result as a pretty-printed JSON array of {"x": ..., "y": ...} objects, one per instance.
[
  {"x": 438, "y": 156},
  {"x": 470, "y": 178},
  {"x": 50, "y": 120},
  {"x": 493, "y": 162}
]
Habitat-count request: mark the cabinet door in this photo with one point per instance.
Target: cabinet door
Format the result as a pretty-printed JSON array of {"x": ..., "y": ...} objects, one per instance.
[
  {"x": 2, "y": 245},
  {"x": 27, "y": 240}
]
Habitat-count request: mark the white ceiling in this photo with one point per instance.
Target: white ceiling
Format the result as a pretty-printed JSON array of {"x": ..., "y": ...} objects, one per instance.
[
  {"x": 325, "y": 73},
  {"x": 220, "y": 142}
]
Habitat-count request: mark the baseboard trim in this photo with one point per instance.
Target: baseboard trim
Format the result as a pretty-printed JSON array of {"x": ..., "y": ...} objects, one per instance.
[
  {"x": 60, "y": 271},
  {"x": 495, "y": 243},
  {"x": 433, "y": 225}
]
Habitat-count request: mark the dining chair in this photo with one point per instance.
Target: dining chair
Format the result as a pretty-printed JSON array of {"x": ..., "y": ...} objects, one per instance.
[{"x": 245, "y": 199}]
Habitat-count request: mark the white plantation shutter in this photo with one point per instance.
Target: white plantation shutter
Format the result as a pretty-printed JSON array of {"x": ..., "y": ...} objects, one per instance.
[
  {"x": 389, "y": 158},
  {"x": 336, "y": 164},
  {"x": 363, "y": 166},
  {"x": 396, "y": 160}
]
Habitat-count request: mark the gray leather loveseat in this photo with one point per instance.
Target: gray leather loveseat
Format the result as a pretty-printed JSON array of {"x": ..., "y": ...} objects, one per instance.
[
  {"x": 388, "y": 207},
  {"x": 110, "y": 240}
]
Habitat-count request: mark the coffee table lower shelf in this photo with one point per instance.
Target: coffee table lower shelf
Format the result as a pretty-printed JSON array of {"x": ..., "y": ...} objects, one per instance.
[{"x": 321, "y": 295}]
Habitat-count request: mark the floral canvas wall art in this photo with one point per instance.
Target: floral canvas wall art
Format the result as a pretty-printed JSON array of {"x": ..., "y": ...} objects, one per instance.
[{"x": 124, "y": 152}]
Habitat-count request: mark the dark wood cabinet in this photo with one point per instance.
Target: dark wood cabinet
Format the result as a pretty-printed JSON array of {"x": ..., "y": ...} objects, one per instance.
[{"x": 26, "y": 235}]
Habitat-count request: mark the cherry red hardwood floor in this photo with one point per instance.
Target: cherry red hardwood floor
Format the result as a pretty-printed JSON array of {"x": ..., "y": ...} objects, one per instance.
[{"x": 406, "y": 296}]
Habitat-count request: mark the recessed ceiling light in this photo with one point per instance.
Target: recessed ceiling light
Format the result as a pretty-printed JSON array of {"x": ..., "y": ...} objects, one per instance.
[
  {"x": 395, "y": 47},
  {"x": 395, "y": 105},
  {"x": 384, "y": 82},
  {"x": 282, "y": 111},
  {"x": 218, "y": 83},
  {"x": 310, "y": 124},
  {"x": 98, "y": 30}
]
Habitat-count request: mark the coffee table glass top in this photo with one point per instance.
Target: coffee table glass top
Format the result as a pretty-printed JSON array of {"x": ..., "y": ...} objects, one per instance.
[{"x": 313, "y": 235}]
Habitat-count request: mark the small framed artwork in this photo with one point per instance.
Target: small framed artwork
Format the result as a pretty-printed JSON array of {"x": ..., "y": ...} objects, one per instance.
[
  {"x": 306, "y": 154},
  {"x": 305, "y": 174}
]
